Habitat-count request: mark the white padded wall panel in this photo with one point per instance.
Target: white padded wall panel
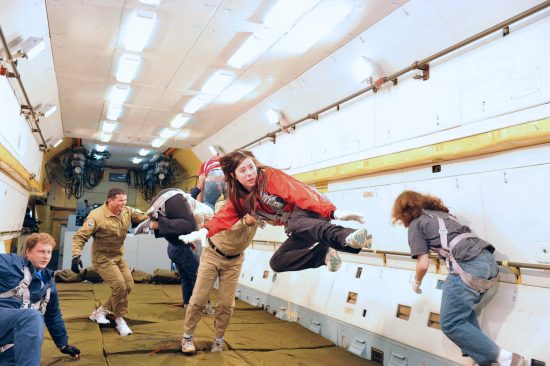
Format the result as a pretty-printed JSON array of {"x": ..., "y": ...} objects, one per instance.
[
  {"x": 515, "y": 203},
  {"x": 516, "y": 318},
  {"x": 14, "y": 202},
  {"x": 507, "y": 74}
]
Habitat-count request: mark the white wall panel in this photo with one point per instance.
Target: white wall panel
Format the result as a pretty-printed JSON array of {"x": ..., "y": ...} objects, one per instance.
[
  {"x": 14, "y": 203},
  {"x": 15, "y": 133}
]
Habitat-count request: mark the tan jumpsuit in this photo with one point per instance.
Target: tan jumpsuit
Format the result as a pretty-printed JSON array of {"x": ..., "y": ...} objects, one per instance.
[{"x": 109, "y": 232}]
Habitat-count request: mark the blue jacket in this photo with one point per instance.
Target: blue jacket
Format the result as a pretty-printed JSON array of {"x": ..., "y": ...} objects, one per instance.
[{"x": 11, "y": 274}]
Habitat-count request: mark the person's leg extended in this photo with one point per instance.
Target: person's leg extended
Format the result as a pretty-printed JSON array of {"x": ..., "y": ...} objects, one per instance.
[
  {"x": 206, "y": 276},
  {"x": 187, "y": 265},
  {"x": 457, "y": 303},
  {"x": 229, "y": 277}
]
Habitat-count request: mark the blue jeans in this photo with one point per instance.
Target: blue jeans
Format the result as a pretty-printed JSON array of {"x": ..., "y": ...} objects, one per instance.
[
  {"x": 214, "y": 186},
  {"x": 458, "y": 317},
  {"x": 25, "y": 329},
  {"x": 187, "y": 265}
]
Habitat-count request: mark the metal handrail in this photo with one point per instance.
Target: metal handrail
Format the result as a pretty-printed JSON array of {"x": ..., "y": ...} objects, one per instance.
[
  {"x": 417, "y": 65},
  {"x": 43, "y": 146},
  {"x": 384, "y": 253}
]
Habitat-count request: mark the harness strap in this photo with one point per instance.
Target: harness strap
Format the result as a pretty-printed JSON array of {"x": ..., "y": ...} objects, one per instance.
[
  {"x": 22, "y": 292},
  {"x": 283, "y": 217},
  {"x": 158, "y": 205},
  {"x": 6, "y": 347},
  {"x": 446, "y": 251}
]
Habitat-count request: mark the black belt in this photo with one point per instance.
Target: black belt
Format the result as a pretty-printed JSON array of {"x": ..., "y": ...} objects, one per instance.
[{"x": 220, "y": 252}]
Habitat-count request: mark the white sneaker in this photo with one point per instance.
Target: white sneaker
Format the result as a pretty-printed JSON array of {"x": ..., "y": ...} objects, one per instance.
[
  {"x": 99, "y": 316},
  {"x": 359, "y": 239},
  {"x": 187, "y": 345},
  {"x": 332, "y": 260},
  {"x": 507, "y": 358},
  {"x": 122, "y": 327},
  {"x": 217, "y": 347}
]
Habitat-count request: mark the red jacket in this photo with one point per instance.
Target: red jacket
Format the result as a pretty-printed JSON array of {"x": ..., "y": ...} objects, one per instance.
[{"x": 292, "y": 191}]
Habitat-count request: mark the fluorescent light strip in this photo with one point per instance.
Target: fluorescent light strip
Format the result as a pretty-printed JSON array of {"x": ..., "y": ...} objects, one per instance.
[
  {"x": 197, "y": 103},
  {"x": 114, "y": 112},
  {"x": 127, "y": 68},
  {"x": 238, "y": 90},
  {"x": 108, "y": 126},
  {"x": 250, "y": 50},
  {"x": 33, "y": 46},
  {"x": 183, "y": 134},
  {"x": 166, "y": 133},
  {"x": 318, "y": 23},
  {"x": 286, "y": 12},
  {"x": 217, "y": 82},
  {"x": 272, "y": 116},
  {"x": 48, "y": 110},
  {"x": 158, "y": 142},
  {"x": 179, "y": 121},
  {"x": 150, "y": 2},
  {"x": 58, "y": 143},
  {"x": 105, "y": 137},
  {"x": 119, "y": 93},
  {"x": 138, "y": 30}
]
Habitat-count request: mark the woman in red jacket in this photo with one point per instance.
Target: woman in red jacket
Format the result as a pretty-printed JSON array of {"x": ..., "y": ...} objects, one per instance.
[{"x": 277, "y": 198}]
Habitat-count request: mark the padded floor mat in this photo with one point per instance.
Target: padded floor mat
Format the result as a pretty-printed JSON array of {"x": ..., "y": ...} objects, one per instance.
[
  {"x": 172, "y": 359},
  {"x": 329, "y": 356},
  {"x": 157, "y": 326},
  {"x": 153, "y": 337},
  {"x": 273, "y": 336}
]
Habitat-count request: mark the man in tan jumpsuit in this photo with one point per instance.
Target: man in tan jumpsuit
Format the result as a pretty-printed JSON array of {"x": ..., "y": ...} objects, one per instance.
[
  {"x": 108, "y": 226},
  {"x": 222, "y": 257}
]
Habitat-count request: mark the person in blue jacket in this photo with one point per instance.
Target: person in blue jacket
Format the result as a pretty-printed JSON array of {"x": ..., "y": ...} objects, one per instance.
[{"x": 28, "y": 299}]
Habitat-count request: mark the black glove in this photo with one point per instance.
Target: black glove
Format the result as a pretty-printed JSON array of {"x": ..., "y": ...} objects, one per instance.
[
  {"x": 71, "y": 350},
  {"x": 75, "y": 263}
]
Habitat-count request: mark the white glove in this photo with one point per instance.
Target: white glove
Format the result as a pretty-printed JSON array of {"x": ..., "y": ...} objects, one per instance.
[
  {"x": 348, "y": 215},
  {"x": 416, "y": 286},
  {"x": 195, "y": 237}
]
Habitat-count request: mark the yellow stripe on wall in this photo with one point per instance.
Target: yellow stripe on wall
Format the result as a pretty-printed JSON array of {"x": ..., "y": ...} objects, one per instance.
[
  {"x": 17, "y": 169},
  {"x": 508, "y": 138}
]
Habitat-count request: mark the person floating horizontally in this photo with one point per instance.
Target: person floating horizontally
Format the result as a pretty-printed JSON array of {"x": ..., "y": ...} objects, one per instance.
[
  {"x": 108, "y": 225},
  {"x": 472, "y": 271},
  {"x": 28, "y": 298},
  {"x": 174, "y": 213},
  {"x": 211, "y": 182},
  {"x": 222, "y": 259},
  {"x": 279, "y": 199}
]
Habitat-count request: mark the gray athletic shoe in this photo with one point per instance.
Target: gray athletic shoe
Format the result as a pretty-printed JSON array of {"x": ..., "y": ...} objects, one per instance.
[
  {"x": 187, "y": 345},
  {"x": 359, "y": 239},
  {"x": 332, "y": 260},
  {"x": 143, "y": 227},
  {"x": 217, "y": 347}
]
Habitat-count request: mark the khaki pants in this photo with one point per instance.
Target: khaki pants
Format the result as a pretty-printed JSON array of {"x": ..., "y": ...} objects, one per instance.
[
  {"x": 115, "y": 273},
  {"x": 212, "y": 266}
]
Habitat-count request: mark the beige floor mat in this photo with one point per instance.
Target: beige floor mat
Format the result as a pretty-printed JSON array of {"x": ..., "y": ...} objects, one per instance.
[
  {"x": 273, "y": 337},
  {"x": 153, "y": 337},
  {"x": 329, "y": 356},
  {"x": 228, "y": 358},
  {"x": 158, "y": 326}
]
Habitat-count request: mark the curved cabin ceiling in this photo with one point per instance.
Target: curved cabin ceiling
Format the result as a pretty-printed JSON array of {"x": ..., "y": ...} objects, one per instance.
[{"x": 190, "y": 42}]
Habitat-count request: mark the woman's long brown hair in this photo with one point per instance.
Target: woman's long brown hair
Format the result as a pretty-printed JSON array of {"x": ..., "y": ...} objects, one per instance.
[
  {"x": 409, "y": 205},
  {"x": 243, "y": 200}
]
